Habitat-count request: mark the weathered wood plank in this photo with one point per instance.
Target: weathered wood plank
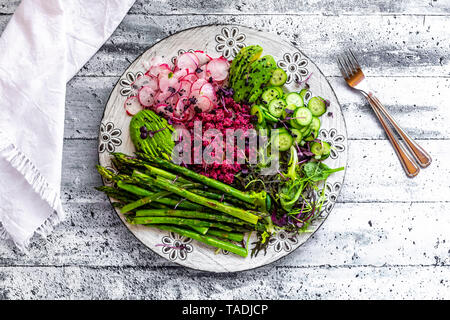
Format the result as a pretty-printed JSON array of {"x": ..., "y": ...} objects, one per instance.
[
  {"x": 304, "y": 7},
  {"x": 353, "y": 235},
  {"x": 305, "y": 283},
  {"x": 388, "y": 45},
  {"x": 418, "y": 104},
  {"x": 373, "y": 173}
]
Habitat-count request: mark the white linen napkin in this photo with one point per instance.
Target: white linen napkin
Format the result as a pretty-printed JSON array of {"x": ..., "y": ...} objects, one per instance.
[{"x": 45, "y": 43}]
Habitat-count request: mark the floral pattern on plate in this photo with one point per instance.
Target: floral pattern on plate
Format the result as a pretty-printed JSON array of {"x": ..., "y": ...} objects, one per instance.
[
  {"x": 295, "y": 67},
  {"x": 230, "y": 41},
  {"x": 109, "y": 137}
]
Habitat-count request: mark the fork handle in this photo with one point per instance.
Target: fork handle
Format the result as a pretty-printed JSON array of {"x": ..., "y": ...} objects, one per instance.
[
  {"x": 422, "y": 157},
  {"x": 411, "y": 168}
]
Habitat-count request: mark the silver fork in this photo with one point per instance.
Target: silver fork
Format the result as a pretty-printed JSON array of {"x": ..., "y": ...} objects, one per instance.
[{"x": 353, "y": 75}]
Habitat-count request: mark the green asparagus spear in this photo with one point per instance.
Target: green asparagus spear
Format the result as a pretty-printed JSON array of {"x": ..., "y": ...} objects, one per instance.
[
  {"x": 180, "y": 221},
  {"x": 258, "y": 199},
  {"x": 163, "y": 183},
  {"x": 226, "y": 235},
  {"x": 206, "y": 239},
  {"x": 144, "y": 201}
]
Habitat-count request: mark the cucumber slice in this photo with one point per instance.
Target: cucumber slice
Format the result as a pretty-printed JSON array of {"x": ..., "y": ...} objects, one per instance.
[
  {"x": 281, "y": 139},
  {"x": 276, "y": 107},
  {"x": 268, "y": 116},
  {"x": 279, "y": 77},
  {"x": 295, "y": 99},
  {"x": 270, "y": 94},
  {"x": 315, "y": 127},
  {"x": 257, "y": 111},
  {"x": 280, "y": 90},
  {"x": 306, "y": 95},
  {"x": 294, "y": 124},
  {"x": 291, "y": 108},
  {"x": 321, "y": 149},
  {"x": 303, "y": 116},
  {"x": 297, "y": 135},
  {"x": 315, "y": 124},
  {"x": 317, "y": 106}
]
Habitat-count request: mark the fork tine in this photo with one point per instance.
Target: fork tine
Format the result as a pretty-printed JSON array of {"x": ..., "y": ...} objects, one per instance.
[
  {"x": 342, "y": 69},
  {"x": 349, "y": 61},
  {"x": 348, "y": 68},
  {"x": 353, "y": 58}
]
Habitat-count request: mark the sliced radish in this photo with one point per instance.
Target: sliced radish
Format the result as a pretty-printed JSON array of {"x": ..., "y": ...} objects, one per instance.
[
  {"x": 181, "y": 73},
  {"x": 197, "y": 85},
  {"x": 164, "y": 110},
  {"x": 203, "y": 74},
  {"x": 155, "y": 70},
  {"x": 161, "y": 97},
  {"x": 169, "y": 83},
  {"x": 172, "y": 101},
  {"x": 202, "y": 57},
  {"x": 191, "y": 77},
  {"x": 132, "y": 106},
  {"x": 208, "y": 90},
  {"x": 188, "y": 61},
  {"x": 146, "y": 96},
  {"x": 181, "y": 107},
  {"x": 218, "y": 68},
  {"x": 204, "y": 104},
  {"x": 185, "y": 89},
  {"x": 145, "y": 81}
]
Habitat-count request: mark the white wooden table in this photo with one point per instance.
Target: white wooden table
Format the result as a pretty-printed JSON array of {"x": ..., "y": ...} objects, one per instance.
[{"x": 388, "y": 236}]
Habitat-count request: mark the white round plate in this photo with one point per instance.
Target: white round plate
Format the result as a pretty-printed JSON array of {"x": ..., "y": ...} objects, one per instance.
[{"x": 225, "y": 40}]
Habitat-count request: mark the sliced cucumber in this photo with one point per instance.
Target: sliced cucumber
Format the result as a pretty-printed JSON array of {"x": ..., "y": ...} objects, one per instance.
[
  {"x": 303, "y": 116},
  {"x": 279, "y": 77},
  {"x": 294, "y": 124},
  {"x": 288, "y": 111},
  {"x": 295, "y": 99},
  {"x": 270, "y": 94},
  {"x": 315, "y": 123},
  {"x": 297, "y": 135},
  {"x": 276, "y": 107},
  {"x": 305, "y": 131},
  {"x": 279, "y": 89},
  {"x": 321, "y": 149},
  {"x": 315, "y": 127},
  {"x": 306, "y": 95},
  {"x": 281, "y": 139},
  {"x": 317, "y": 106},
  {"x": 268, "y": 116},
  {"x": 257, "y": 111}
]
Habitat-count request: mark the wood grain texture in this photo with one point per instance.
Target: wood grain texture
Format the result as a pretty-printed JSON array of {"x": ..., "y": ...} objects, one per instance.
[{"x": 387, "y": 236}]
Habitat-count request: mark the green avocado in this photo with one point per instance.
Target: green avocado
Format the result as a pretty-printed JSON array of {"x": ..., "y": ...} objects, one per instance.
[
  {"x": 157, "y": 139},
  {"x": 241, "y": 63}
]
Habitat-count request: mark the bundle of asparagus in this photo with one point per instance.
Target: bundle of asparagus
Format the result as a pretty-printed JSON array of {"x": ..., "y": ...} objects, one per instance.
[{"x": 158, "y": 193}]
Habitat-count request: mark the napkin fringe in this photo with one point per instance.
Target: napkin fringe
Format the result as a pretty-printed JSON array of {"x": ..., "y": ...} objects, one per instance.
[{"x": 39, "y": 184}]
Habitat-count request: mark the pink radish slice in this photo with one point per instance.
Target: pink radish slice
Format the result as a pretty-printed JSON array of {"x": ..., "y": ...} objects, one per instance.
[
  {"x": 172, "y": 101},
  {"x": 132, "y": 106},
  {"x": 218, "y": 68},
  {"x": 185, "y": 89},
  {"x": 197, "y": 85},
  {"x": 157, "y": 69},
  {"x": 180, "y": 108},
  {"x": 193, "y": 57},
  {"x": 203, "y": 74},
  {"x": 161, "y": 96},
  {"x": 208, "y": 90},
  {"x": 202, "y": 57},
  {"x": 186, "y": 61},
  {"x": 169, "y": 83},
  {"x": 204, "y": 104},
  {"x": 191, "y": 77},
  {"x": 145, "y": 81},
  {"x": 181, "y": 73},
  {"x": 164, "y": 109},
  {"x": 146, "y": 96}
]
